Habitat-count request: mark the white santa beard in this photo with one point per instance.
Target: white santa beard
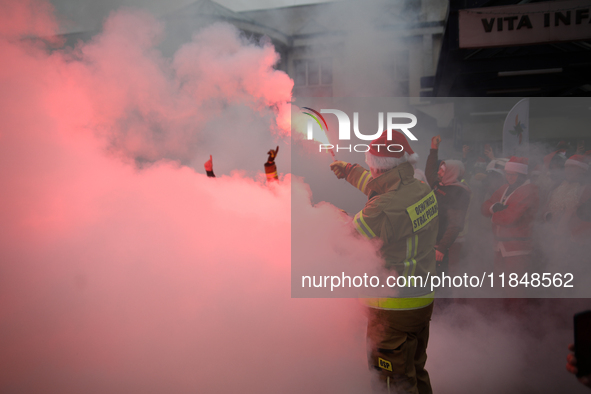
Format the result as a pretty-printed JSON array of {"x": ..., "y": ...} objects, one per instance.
[{"x": 565, "y": 197}]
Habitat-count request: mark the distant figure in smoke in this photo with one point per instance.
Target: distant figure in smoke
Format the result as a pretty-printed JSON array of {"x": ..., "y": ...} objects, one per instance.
[
  {"x": 564, "y": 212},
  {"x": 571, "y": 366},
  {"x": 495, "y": 176},
  {"x": 270, "y": 167},
  {"x": 568, "y": 196},
  {"x": 472, "y": 163},
  {"x": 465, "y": 152},
  {"x": 453, "y": 198},
  {"x": 402, "y": 212},
  {"x": 512, "y": 209},
  {"x": 552, "y": 174},
  {"x": 209, "y": 167},
  {"x": 479, "y": 182},
  {"x": 488, "y": 152},
  {"x": 489, "y": 174},
  {"x": 584, "y": 210}
]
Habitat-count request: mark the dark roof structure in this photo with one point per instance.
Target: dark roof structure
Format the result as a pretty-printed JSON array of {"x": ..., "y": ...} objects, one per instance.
[{"x": 559, "y": 69}]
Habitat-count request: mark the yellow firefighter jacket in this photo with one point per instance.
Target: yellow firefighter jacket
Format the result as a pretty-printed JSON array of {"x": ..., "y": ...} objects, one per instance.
[{"x": 402, "y": 212}]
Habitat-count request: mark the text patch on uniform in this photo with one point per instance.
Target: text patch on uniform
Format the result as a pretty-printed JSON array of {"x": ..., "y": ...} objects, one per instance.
[
  {"x": 387, "y": 365},
  {"x": 423, "y": 211}
]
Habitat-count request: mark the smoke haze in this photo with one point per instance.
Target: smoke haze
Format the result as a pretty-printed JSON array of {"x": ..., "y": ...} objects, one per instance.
[{"x": 125, "y": 269}]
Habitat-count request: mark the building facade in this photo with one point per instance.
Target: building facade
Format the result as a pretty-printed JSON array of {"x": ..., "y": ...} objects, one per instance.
[{"x": 371, "y": 48}]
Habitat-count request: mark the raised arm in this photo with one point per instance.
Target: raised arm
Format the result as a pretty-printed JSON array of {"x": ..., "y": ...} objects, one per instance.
[
  {"x": 353, "y": 173},
  {"x": 431, "y": 168}
]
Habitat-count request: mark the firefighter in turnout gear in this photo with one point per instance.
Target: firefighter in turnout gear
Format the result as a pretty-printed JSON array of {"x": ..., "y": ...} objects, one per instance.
[
  {"x": 270, "y": 167},
  {"x": 402, "y": 212}
]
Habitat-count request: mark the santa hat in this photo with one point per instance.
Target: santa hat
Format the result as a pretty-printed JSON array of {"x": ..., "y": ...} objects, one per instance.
[
  {"x": 497, "y": 165},
  {"x": 579, "y": 161},
  {"x": 517, "y": 164},
  {"x": 385, "y": 153}
]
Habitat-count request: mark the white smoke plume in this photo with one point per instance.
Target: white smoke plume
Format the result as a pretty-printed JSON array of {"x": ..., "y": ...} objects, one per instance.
[{"x": 150, "y": 107}]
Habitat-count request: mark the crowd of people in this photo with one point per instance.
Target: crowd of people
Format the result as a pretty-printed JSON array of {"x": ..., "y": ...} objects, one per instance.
[
  {"x": 539, "y": 207},
  {"x": 536, "y": 211},
  {"x": 533, "y": 211}
]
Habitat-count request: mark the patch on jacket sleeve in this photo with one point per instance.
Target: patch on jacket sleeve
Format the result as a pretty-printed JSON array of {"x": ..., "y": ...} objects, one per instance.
[
  {"x": 423, "y": 212},
  {"x": 384, "y": 364}
]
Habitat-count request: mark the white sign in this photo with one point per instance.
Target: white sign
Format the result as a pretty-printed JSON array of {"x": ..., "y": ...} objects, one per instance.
[
  {"x": 516, "y": 130},
  {"x": 549, "y": 21}
]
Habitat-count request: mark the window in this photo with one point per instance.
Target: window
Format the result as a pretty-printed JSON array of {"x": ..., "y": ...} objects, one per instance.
[
  {"x": 313, "y": 72},
  {"x": 300, "y": 72},
  {"x": 326, "y": 71},
  {"x": 401, "y": 73}
]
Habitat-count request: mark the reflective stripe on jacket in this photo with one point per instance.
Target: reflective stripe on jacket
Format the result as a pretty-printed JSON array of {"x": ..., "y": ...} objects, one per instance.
[
  {"x": 402, "y": 212},
  {"x": 271, "y": 172}
]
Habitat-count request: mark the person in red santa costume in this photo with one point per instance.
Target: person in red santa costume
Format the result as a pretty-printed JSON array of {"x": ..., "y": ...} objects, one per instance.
[{"x": 512, "y": 209}]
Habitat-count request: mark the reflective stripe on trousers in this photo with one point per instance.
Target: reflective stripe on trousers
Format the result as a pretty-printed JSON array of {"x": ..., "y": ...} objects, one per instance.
[{"x": 400, "y": 303}]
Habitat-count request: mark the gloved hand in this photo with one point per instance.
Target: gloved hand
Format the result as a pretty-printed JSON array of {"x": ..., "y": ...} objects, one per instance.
[
  {"x": 439, "y": 255},
  {"x": 340, "y": 168},
  {"x": 209, "y": 164},
  {"x": 497, "y": 207},
  {"x": 272, "y": 155}
]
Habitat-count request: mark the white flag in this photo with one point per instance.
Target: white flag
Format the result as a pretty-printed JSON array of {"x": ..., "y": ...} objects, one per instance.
[{"x": 516, "y": 130}]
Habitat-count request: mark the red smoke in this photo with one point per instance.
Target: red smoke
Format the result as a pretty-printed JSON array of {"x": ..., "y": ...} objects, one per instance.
[
  {"x": 149, "y": 107},
  {"x": 115, "y": 279},
  {"x": 119, "y": 280},
  {"x": 27, "y": 17}
]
